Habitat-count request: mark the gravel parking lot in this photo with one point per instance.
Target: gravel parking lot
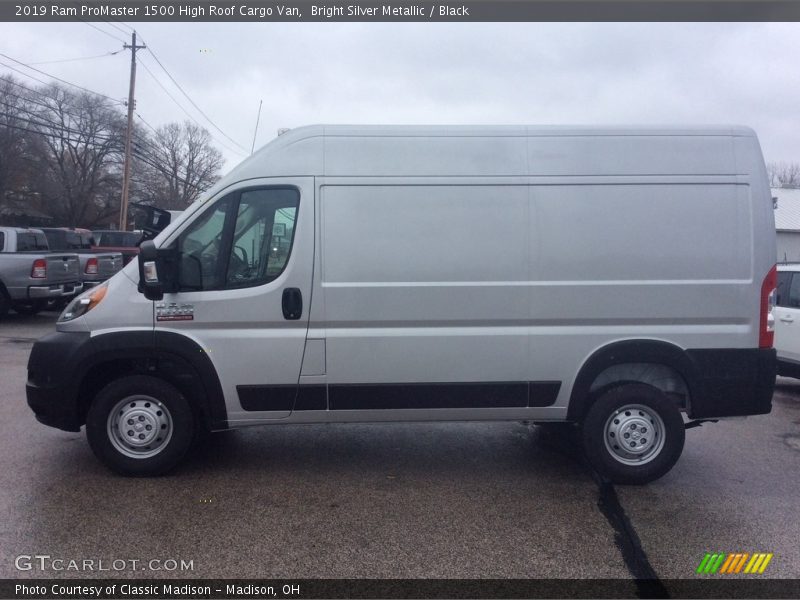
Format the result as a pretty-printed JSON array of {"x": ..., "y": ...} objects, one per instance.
[{"x": 472, "y": 500}]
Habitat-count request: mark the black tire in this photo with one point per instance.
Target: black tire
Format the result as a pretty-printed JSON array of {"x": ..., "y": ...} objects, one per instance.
[
  {"x": 29, "y": 308},
  {"x": 153, "y": 393},
  {"x": 666, "y": 449}
]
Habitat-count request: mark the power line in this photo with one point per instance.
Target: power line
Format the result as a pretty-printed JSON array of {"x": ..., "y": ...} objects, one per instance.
[
  {"x": 24, "y": 87},
  {"x": 59, "y": 109},
  {"x": 142, "y": 139},
  {"x": 58, "y": 136},
  {"x": 80, "y": 87},
  {"x": 145, "y": 150},
  {"x": 28, "y": 100},
  {"x": 160, "y": 64},
  {"x": 61, "y": 137},
  {"x": 141, "y": 118},
  {"x": 109, "y": 20},
  {"x": 42, "y": 122},
  {"x": 148, "y": 160},
  {"x": 23, "y": 73},
  {"x": 179, "y": 105},
  {"x": 63, "y": 60},
  {"x": 120, "y": 29},
  {"x": 103, "y": 31},
  {"x": 166, "y": 91}
]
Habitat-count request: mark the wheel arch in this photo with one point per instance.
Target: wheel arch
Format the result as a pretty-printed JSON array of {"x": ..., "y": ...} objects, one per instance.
[
  {"x": 655, "y": 352},
  {"x": 170, "y": 356}
]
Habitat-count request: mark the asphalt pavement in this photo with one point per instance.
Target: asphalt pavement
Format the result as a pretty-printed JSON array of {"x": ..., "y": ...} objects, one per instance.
[{"x": 444, "y": 500}]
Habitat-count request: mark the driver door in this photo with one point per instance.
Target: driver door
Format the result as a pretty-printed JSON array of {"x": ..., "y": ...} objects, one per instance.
[{"x": 244, "y": 272}]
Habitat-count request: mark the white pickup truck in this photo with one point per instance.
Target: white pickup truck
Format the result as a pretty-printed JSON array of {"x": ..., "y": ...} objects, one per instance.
[{"x": 30, "y": 274}]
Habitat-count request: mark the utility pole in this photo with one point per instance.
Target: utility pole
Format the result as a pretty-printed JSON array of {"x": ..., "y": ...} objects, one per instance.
[{"x": 126, "y": 169}]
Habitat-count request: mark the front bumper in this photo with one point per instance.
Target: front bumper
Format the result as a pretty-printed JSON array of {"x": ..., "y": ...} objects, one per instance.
[
  {"x": 59, "y": 290},
  {"x": 51, "y": 388}
]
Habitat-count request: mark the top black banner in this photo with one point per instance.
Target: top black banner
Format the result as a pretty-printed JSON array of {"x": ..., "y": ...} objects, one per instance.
[{"x": 375, "y": 10}]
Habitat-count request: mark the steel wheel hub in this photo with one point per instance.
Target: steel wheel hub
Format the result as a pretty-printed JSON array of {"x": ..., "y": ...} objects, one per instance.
[
  {"x": 634, "y": 434},
  {"x": 139, "y": 426}
]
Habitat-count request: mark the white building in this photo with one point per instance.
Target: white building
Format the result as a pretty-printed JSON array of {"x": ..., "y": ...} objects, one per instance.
[{"x": 787, "y": 223}]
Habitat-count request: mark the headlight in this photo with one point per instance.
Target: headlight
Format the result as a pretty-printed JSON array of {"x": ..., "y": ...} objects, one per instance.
[{"x": 83, "y": 303}]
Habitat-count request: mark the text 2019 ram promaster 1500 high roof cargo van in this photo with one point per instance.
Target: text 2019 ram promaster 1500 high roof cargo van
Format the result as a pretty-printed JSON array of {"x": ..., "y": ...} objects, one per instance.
[{"x": 617, "y": 278}]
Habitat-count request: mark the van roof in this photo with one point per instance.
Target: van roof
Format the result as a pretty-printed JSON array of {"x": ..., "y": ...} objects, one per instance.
[
  {"x": 511, "y": 130},
  {"x": 494, "y": 151}
]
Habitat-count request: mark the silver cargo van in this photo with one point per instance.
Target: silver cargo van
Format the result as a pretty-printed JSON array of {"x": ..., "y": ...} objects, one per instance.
[{"x": 615, "y": 278}]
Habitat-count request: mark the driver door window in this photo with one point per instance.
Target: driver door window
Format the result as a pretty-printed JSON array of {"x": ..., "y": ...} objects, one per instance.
[{"x": 243, "y": 241}]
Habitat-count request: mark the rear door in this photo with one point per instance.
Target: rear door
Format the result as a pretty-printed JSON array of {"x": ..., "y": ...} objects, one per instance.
[{"x": 245, "y": 272}]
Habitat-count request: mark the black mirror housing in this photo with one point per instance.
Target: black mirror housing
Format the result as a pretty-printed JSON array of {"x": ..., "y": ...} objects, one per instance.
[
  {"x": 157, "y": 270},
  {"x": 150, "y": 283}
]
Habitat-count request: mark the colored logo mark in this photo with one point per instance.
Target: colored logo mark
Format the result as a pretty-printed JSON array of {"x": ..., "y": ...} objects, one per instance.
[{"x": 734, "y": 563}]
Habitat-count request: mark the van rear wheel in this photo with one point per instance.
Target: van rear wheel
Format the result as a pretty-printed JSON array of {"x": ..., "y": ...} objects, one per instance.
[
  {"x": 633, "y": 434},
  {"x": 140, "y": 426}
]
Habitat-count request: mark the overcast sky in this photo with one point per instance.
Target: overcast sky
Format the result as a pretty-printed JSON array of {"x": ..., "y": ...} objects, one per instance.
[{"x": 525, "y": 73}]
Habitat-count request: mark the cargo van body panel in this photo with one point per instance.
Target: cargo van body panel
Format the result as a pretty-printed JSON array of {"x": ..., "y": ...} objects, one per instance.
[{"x": 474, "y": 273}]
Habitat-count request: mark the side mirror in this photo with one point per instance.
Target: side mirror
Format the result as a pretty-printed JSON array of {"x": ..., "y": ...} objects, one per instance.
[{"x": 149, "y": 283}]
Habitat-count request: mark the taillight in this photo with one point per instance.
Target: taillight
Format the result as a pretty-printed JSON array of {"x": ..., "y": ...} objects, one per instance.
[
  {"x": 91, "y": 267},
  {"x": 39, "y": 269},
  {"x": 766, "y": 330}
]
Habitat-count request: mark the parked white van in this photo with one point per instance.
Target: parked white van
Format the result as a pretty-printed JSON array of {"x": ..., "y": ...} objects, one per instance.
[{"x": 616, "y": 278}]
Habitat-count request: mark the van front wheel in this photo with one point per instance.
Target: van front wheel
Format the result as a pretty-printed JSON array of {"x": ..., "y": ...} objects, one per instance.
[
  {"x": 140, "y": 426},
  {"x": 633, "y": 434}
]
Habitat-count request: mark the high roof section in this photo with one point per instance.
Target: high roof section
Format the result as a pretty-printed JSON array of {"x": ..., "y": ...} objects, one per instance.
[{"x": 424, "y": 151}]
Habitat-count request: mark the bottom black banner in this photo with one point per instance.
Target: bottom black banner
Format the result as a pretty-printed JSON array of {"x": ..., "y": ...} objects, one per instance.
[{"x": 69, "y": 589}]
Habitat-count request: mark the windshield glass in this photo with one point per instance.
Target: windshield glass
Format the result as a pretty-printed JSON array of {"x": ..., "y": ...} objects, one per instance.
[
  {"x": 29, "y": 241},
  {"x": 117, "y": 239}
]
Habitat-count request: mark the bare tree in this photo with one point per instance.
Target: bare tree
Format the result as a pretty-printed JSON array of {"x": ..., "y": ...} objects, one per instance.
[
  {"x": 15, "y": 139},
  {"x": 783, "y": 174},
  {"x": 175, "y": 165},
  {"x": 79, "y": 161}
]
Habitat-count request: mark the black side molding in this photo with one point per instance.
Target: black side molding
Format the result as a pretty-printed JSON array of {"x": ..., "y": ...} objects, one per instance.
[{"x": 368, "y": 396}]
